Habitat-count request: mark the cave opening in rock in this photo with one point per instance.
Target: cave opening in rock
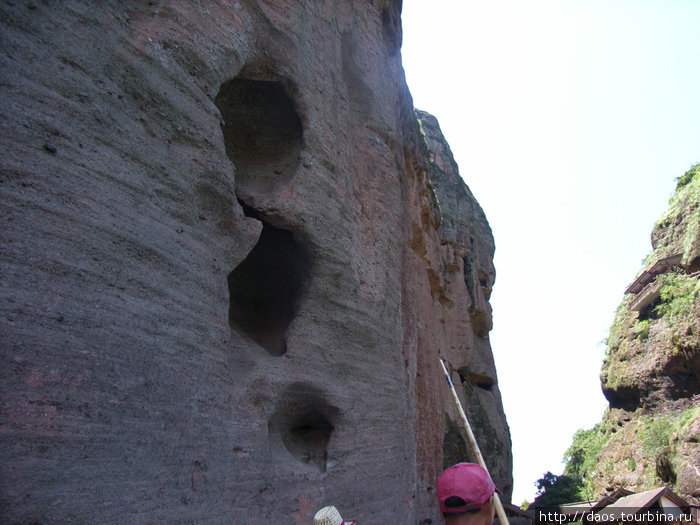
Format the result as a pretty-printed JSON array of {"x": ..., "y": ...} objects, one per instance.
[
  {"x": 484, "y": 282},
  {"x": 474, "y": 379},
  {"x": 624, "y": 397},
  {"x": 303, "y": 423},
  {"x": 481, "y": 381},
  {"x": 262, "y": 132},
  {"x": 265, "y": 289},
  {"x": 307, "y": 437},
  {"x": 649, "y": 312}
]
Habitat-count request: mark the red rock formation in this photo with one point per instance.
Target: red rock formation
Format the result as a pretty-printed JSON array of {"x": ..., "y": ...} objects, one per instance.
[{"x": 226, "y": 277}]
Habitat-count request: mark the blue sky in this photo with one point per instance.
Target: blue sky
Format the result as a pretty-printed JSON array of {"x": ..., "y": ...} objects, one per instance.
[{"x": 570, "y": 121}]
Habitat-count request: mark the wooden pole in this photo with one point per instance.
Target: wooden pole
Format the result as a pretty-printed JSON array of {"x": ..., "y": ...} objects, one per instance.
[{"x": 500, "y": 511}]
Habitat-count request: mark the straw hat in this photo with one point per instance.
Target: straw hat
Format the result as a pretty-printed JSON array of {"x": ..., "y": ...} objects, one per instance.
[{"x": 330, "y": 516}]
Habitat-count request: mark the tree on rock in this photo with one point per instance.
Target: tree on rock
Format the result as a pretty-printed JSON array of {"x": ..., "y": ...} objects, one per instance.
[{"x": 553, "y": 490}]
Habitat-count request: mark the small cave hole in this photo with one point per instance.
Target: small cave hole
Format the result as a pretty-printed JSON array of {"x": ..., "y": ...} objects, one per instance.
[
  {"x": 481, "y": 381},
  {"x": 265, "y": 289},
  {"x": 649, "y": 312},
  {"x": 262, "y": 132},
  {"x": 485, "y": 284},
  {"x": 694, "y": 266},
  {"x": 478, "y": 380},
  {"x": 307, "y": 440},
  {"x": 303, "y": 425},
  {"x": 462, "y": 375}
]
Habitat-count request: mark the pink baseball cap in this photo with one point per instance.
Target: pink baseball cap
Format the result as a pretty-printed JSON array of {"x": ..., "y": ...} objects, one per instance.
[{"x": 467, "y": 481}]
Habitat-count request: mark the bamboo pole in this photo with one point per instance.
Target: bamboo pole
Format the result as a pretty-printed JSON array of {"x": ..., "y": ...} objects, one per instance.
[{"x": 500, "y": 511}]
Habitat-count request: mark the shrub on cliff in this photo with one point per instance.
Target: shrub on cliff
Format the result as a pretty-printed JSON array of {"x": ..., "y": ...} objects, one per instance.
[
  {"x": 687, "y": 177},
  {"x": 553, "y": 490},
  {"x": 677, "y": 230},
  {"x": 679, "y": 294},
  {"x": 582, "y": 457}
]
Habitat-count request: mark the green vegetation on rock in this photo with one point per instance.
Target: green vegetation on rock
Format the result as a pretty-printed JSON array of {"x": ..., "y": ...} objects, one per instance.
[
  {"x": 655, "y": 435},
  {"x": 582, "y": 458},
  {"x": 678, "y": 231},
  {"x": 679, "y": 294},
  {"x": 687, "y": 177}
]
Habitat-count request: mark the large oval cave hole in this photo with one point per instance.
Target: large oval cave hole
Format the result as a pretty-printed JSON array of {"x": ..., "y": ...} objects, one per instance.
[
  {"x": 262, "y": 133},
  {"x": 265, "y": 289}
]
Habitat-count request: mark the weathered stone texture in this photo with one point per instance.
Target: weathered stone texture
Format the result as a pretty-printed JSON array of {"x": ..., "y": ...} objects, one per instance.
[
  {"x": 224, "y": 280},
  {"x": 458, "y": 261}
]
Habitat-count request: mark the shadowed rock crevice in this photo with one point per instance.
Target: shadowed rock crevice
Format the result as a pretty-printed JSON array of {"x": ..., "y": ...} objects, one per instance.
[
  {"x": 391, "y": 25},
  {"x": 454, "y": 447},
  {"x": 265, "y": 289},
  {"x": 479, "y": 288},
  {"x": 624, "y": 397},
  {"x": 262, "y": 132},
  {"x": 303, "y": 424}
]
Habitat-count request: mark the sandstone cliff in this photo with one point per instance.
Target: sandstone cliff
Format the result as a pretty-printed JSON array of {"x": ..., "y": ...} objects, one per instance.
[
  {"x": 650, "y": 436},
  {"x": 230, "y": 261}
]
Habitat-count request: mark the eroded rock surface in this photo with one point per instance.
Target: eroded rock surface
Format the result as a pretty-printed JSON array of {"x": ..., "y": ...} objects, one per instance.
[{"x": 229, "y": 265}]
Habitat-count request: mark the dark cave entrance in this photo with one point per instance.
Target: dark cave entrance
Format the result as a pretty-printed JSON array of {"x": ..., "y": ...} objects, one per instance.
[
  {"x": 263, "y": 136},
  {"x": 262, "y": 131},
  {"x": 266, "y": 287}
]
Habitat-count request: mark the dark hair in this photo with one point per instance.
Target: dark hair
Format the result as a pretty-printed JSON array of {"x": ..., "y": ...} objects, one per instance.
[{"x": 456, "y": 502}]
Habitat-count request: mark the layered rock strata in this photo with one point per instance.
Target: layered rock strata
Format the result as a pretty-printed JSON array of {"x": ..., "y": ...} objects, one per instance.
[{"x": 229, "y": 266}]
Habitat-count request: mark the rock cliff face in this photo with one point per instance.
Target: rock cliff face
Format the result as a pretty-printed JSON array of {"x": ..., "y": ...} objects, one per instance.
[
  {"x": 650, "y": 436},
  {"x": 461, "y": 279},
  {"x": 230, "y": 261}
]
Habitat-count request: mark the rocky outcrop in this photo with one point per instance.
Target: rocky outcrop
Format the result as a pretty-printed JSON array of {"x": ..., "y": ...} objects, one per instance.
[
  {"x": 230, "y": 262},
  {"x": 652, "y": 358},
  {"x": 462, "y": 278},
  {"x": 649, "y": 436}
]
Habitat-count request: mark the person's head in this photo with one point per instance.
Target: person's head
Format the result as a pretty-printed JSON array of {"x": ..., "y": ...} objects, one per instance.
[{"x": 465, "y": 494}]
